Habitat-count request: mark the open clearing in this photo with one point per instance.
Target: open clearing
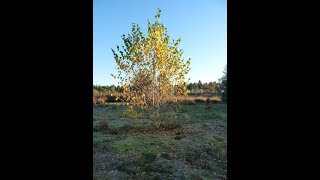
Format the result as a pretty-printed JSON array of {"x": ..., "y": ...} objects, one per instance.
[{"x": 192, "y": 147}]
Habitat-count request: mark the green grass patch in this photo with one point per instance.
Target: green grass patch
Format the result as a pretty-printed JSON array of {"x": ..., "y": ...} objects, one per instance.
[
  {"x": 191, "y": 144},
  {"x": 101, "y": 139},
  {"x": 148, "y": 144}
]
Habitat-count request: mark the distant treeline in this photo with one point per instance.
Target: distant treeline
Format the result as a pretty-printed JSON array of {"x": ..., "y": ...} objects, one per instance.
[
  {"x": 193, "y": 88},
  {"x": 200, "y": 88},
  {"x": 106, "y": 89}
]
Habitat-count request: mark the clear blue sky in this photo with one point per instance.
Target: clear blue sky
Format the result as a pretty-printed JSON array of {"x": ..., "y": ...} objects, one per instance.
[{"x": 201, "y": 24}]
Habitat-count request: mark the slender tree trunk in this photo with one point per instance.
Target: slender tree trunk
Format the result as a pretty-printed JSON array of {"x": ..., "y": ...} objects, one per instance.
[{"x": 153, "y": 83}]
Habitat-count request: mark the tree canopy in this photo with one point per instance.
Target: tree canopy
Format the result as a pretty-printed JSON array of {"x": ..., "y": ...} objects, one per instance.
[{"x": 150, "y": 67}]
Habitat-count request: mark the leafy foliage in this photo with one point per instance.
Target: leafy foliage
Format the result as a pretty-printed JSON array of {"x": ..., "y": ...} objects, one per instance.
[
  {"x": 151, "y": 70},
  {"x": 222, "y": 86}
]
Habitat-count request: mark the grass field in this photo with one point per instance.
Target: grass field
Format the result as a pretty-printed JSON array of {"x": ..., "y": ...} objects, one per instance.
[{"x": 193, "y": 147}]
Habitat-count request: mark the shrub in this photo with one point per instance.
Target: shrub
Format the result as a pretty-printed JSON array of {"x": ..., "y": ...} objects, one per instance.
[
  {"x": 112, "y": 98},
  {"x": 120, "y": 98},
  {"x": 100, "y": 101}
]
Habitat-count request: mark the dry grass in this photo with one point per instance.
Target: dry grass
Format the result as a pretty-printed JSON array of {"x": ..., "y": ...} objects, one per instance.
[
  {"x": 199, "y": 98},
  {"x": 105, "y": 98}
]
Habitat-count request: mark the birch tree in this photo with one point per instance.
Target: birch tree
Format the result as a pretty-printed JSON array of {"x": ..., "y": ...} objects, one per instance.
[{"x": 150, "y": 67}]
